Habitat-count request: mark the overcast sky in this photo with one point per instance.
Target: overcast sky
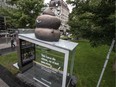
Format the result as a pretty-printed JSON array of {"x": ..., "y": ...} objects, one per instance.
[{"x": 69, "y": 6}]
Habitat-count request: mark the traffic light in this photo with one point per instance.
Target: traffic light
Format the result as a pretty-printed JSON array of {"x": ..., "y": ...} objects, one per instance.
[{"x": 2, "y": 23}]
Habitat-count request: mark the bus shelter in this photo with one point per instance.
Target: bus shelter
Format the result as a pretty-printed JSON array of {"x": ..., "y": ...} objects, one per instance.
[{"x": 53, "y": 62}]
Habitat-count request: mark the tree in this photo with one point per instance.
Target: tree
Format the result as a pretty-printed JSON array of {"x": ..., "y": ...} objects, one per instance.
[
  {"x": 12, "y": 16},
  {"x": 25, "y": 14},
  {"x": 30, "y": 9},
  {"x": 93, "y": 20}
]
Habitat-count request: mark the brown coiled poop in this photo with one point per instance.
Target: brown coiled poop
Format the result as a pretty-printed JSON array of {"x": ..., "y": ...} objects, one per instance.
[
  {"x": 48, "y": 21},
  {"x": 47, "y": 34},
  {"x": 47, "y": 27}
]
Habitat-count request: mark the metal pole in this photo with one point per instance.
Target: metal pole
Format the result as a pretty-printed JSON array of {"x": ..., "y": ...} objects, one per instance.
[
  {"x": 65, "y": 69},
  {"x": 105, "y": 64},
  {"x": 72, "y": 61},
  {"x": 6, "y": 38}
]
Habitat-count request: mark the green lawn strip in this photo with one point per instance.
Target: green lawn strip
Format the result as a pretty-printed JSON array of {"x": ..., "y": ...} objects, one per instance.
[
  {"x": 109, "y": 76},
  {"x": 8, "y": 61},
  {"x": 89, "y": 63}
]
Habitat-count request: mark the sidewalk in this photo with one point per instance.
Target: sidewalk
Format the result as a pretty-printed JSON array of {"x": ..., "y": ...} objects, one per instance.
[
  {"x": 7, "y": 79},
  {"x": 6, "y": 48},
  {"x": 2, "y": 83},
  {"x": 5, "y": 45}
]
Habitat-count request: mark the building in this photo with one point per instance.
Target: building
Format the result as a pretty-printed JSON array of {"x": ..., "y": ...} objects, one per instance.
[
  {"x": 4, "y": 4},
  {"x": 61, "y": 10}
]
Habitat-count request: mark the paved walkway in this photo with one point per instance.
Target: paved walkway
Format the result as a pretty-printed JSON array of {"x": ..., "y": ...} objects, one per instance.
[
  {"x": 2, "y": 83},
  {"x": 5, "y": 45},
  {"x": 6, "y": 48},
  {"x": 7, "y": 79}
]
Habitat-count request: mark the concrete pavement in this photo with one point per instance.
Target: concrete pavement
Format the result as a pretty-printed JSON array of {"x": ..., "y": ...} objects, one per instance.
[{"x": 2, "y": 83}]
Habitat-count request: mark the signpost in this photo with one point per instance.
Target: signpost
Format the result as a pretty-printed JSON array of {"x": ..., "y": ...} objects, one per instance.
[{"x": 51, "y": 62}]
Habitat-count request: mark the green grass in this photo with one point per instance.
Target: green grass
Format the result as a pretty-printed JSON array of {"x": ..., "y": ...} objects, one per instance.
[
  {"x": 8, "y": 61},
  {"x": 88, "y": 65}
]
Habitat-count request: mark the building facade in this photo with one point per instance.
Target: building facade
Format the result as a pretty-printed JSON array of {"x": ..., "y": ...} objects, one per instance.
[
  {"x": 4, "y": 4},
  {"x": 61, "y": 10}
]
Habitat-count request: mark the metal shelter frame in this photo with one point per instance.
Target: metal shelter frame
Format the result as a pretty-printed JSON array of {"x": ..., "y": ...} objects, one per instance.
[{"x": 62, "y": 46}]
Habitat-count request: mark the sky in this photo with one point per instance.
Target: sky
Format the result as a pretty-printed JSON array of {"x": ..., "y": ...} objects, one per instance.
[{"x": 69, "y": 6}]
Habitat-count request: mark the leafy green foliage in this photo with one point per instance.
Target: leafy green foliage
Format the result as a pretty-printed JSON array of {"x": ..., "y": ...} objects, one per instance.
[
  {"x": 12, "y": 2},
  {"x": 12, "y": 17},
  {"x": 30, "y": 10},
  {"x": 25, "y": 14},
  {"x": 93, "y": 20}
]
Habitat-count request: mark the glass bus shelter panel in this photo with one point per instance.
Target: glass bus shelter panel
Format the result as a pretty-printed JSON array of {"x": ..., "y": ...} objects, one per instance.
[{"x": 49, "y": 66}]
